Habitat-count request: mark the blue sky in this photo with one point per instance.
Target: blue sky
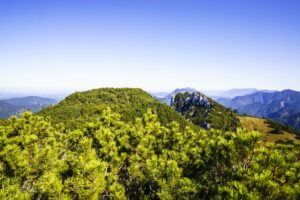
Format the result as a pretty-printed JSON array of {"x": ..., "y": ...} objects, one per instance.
[{"x": 157, "y": 45}]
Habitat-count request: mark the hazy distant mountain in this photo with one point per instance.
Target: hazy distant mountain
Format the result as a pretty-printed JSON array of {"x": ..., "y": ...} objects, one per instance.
[
  {"x": 58, "y": 95},
  {"x": 167, "y": 99},
  {"x": 238, "y": 92},
  {"x": 15, "y": 106},
  {"x": 232, "y": 93},
  {"x": 281, "y": 106},
  {"x": 214, "y": 94},
  {"x": 33, "y": 103},
  {"x": 159, "y": 94},
  {"x": 7, "y": 110}
]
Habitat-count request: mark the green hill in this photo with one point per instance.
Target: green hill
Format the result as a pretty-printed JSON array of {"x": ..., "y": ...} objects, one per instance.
[
  {"x": 205, "y": 112},
  {"x": 129, "y": 102}
]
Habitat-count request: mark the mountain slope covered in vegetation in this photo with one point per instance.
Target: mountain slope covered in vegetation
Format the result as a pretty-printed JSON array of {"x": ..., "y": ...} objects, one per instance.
[
  {"x": 205, "y": 112},
  {"x": 129, "y": 102}
]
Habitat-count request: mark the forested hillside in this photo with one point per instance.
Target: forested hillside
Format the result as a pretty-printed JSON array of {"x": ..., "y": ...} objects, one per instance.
[{"x": 81, "y": 107}]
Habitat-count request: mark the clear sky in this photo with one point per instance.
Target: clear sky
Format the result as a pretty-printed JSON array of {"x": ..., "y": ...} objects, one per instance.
[{"x": 157, "y": 45}]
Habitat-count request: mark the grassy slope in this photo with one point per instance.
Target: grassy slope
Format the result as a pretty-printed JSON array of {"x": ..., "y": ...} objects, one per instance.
[
  {"x": 129, "y": 102},
  {"x": 261, "y": 125}
]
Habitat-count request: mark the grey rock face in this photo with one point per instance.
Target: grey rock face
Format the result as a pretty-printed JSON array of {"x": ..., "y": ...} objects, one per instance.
[
  {"x": 177, "y": 91},
  {"x": 196, "y": 98},
  {"x": 194, "y": 102}
]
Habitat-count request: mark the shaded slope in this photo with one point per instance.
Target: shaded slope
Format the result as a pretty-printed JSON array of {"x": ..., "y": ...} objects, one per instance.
[{"x": 130, "y": 103}]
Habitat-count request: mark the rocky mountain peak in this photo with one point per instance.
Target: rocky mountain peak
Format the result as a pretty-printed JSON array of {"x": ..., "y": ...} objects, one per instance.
[
  {"x": 204, "y": 112},
  {"x": 178, "y": 91},
  {"x": 196, "y": 98}
]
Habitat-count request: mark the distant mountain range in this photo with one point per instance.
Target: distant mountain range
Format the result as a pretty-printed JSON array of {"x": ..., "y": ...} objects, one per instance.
[
  {"x": 15, "y": 106},
  {"x": 281, "y": 106},
  {"x": 214, "y": 94},
  {"x": 229, "y": 93}
]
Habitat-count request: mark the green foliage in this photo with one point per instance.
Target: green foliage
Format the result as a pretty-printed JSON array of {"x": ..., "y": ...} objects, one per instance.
[
  {"x": 111, "y": 159},
  {"x": 2, "y": 122},
  {"x": 81, "y": 107}
]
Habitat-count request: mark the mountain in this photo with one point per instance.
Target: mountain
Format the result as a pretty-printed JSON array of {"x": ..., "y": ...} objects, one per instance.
[
  {"x": 204, "y": 111},
  {"x": 15, "y": 106},
  {"x": 129, "y": 102},
  {"x": 167, "y": 99},
  {"x": 6, "y": 110},
  {"x": 32, "y": 103},
  {"x": 230, "y": 94},
  {"x": 281, "y": 106},
  {"x": 159, "y": 94},
  {"x": 217, "y": 95},
  {"x": 234, "y": 93}
]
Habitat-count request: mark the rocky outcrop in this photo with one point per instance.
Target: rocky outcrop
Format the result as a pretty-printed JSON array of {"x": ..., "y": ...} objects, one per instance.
[
  {"x": 195, "y": 98},
  {"x": 203, "y": 111},
  {"x": 171, "y": 96},
  {"x": 193, "y": 104}
]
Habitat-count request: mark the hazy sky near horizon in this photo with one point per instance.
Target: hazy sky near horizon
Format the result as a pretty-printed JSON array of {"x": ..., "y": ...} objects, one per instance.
[{"x": 157, "y": 45}]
